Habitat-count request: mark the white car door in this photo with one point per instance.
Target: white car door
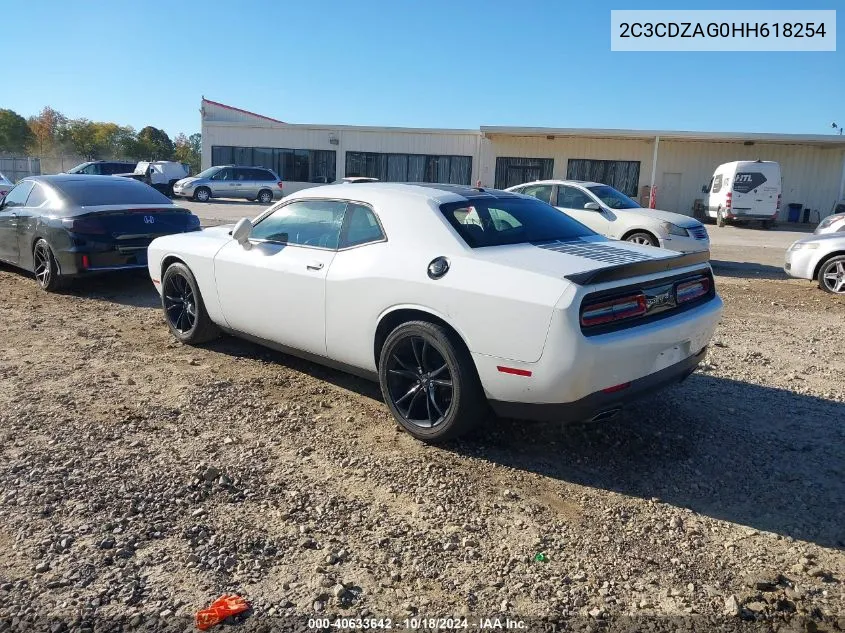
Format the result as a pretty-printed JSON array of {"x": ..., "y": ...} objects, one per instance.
[
  {"x": 571, "y": 200},
  {"x": 276, "y": 288}
]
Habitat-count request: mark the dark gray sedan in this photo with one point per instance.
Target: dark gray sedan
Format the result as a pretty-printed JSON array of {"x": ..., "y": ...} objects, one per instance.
[{"x": 65, "y": 226}]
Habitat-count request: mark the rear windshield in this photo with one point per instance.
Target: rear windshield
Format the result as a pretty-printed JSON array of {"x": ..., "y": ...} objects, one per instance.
[
  {"x": 90, "y": 192},
  {"x": 496, "y": 222}
]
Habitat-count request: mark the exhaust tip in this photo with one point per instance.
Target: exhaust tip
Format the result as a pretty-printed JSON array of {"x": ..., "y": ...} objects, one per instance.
[{"x": 605, "y": 415}]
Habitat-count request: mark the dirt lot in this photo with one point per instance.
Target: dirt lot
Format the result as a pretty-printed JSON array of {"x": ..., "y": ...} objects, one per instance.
[{"x": 140, "y": 479}]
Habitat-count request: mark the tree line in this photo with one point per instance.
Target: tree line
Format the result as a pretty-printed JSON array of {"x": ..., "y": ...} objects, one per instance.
[{"x": 50, "y": 132}]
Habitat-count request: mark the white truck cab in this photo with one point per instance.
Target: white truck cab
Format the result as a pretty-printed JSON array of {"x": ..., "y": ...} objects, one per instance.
[{"x": 744, "y": 190}]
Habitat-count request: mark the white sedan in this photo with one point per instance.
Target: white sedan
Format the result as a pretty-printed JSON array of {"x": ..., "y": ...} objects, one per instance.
[
  {"x": 453, "y": 298},
  {"x": 613, "y": 214}
]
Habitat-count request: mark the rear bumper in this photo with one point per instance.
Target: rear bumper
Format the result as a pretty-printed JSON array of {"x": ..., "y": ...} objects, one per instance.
[
  {"x": 592, "y": 405},
  {"x": 71, "y": 263}
]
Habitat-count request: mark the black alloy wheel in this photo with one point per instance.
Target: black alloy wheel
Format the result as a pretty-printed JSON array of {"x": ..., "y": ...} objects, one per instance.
[
  {"x": 429, "y": 382},
  {"x": 183, "y": 308}
]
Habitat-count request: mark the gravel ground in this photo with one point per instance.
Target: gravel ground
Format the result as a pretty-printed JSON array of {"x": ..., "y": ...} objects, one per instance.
[{"x": 141, "y": 479}]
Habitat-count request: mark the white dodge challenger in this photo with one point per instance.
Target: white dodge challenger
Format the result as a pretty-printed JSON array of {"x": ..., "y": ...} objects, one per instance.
[{"x": 454, "y": 298}]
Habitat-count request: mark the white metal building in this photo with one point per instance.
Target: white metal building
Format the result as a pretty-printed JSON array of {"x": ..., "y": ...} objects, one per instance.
[{"x": 678, "y": 164}]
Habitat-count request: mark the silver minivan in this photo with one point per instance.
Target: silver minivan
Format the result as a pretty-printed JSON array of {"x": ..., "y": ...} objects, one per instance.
[{"x": 231, "y": 181}]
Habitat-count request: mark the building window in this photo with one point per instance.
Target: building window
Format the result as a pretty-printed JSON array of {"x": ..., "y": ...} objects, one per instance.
[
  {"x": 293, "y": 165},
  {"x": 512, "y": 171},
  {"x": 455, "y": 170},
  {"x": 623, "y": 175}
]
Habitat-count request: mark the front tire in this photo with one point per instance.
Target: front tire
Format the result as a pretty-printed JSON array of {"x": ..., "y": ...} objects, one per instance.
[
  {"x": 265, "y": 196},
  {"x": 429, "y": 382},
  {"x": 641, "y": 237},
  {"x": 832, "y": 275},
  {"x": 183, "y": 307},
  {"x": 45, "y": 267},
  {"x": 202, "y": 194}
]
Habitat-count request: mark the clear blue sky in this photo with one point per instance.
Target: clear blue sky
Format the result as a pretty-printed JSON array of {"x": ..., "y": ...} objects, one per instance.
[{"x": 438, "y": 63}]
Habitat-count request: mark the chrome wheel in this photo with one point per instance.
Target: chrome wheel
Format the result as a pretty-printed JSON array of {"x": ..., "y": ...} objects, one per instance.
[
  {"x": 419, "y": 382},
  {"x": 202, "y": 194},
  {"x": 833, "y": 276},
  {"x": 265, "y": 197},
  {"x": 43, "y": 263},
  {"x": 179, "y": 303},
  {"x": 641, "y": 238}
]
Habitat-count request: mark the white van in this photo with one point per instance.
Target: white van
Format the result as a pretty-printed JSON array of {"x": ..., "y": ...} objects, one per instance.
[{"x": 744, "y": 190}]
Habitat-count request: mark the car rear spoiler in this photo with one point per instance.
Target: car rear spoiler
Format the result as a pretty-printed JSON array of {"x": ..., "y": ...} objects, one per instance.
[{"x": 635, "y": 269}]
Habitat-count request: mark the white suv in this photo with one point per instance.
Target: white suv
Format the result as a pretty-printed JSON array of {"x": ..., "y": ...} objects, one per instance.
[{"x": 615, "y": 215}]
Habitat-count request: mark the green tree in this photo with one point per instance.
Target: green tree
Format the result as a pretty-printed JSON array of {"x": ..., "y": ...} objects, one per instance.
[
  {"x": 81, "y": 135},
  {"x": 155, "y": 144},
  {"x": 46, "y": 128},
  {"x": 187, "y": 149},
  {"x": 15, "y": 135}
]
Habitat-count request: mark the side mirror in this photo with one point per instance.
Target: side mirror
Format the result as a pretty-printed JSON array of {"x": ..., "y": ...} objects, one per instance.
[
  {"x": 241, "y": 231},
  {"x": 592, "y": 206}
]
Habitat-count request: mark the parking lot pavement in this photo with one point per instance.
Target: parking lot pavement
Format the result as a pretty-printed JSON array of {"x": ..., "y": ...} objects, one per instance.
[{"x": 732, "y": 248}]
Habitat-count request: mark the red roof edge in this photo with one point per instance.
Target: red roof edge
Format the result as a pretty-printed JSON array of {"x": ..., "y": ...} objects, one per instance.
[{"x": 228, "y": 107}]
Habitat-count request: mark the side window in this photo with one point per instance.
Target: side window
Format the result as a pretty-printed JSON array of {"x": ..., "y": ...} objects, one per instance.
[
  {"x": 243, "y": 174},
  {"x": 263, "y": 175},
  {"x": 223, "y": 174},
  {"x": 17, "y": 196},
  {"x": 361, "y": 226},
  {"x": 541, "y": 192},
  {"x": 717, "y": 184},
  {"x": 571, "y": 198},
  {"x": 304, "y": 222},
  {"x": 37, "y": 196}
]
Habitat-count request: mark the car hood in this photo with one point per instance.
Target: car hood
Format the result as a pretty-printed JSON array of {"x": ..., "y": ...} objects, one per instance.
[
  {"x": 833, "y": 240},
  {"x": 663, "y": 216},
  {"x": 566, "y": 258},
  {"x": 187, "y": 181}
]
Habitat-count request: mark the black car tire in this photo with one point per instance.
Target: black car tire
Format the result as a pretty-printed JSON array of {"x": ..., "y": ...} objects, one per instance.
[
  {"x": 832, "y": 274},
  {"x": 404, "y": 376},
  {"x": 45, "y": 267},
  {"x": 265, "y": 196},
  {"x": 180, "y": 297},
  {"x": 720, "y": 217},
  {"x": 205, "y": 196}
]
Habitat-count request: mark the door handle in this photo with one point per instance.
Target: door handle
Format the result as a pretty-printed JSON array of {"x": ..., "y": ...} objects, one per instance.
[{"x": 314, "y": 266}]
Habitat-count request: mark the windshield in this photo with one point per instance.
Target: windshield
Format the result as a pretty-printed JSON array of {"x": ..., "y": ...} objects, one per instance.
[
  {"x": 613, "y": 199},
  {"x": 208, "y": 173},
  {"x": 496, "y": 222},
  {"x": 78, "y": 168}
]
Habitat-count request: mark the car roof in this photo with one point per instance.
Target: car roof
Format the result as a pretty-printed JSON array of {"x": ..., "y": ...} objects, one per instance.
[
  {"x": 583, "y": 183},
  {"x": 432, "y": 191}
]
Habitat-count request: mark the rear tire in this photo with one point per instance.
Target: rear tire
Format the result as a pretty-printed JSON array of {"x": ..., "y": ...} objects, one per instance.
[
  {"x": 265, "y": 196},
  {"x": 429, "y": 382},
  {"x": 641, "y": 237},
  {"x": 720, "y": 217},
  {"x": 183, "y": 307},
  {"x": 202, "y": 194},
  {"x": 766, "y": 224},
  {"x": 832, "y": 275},
  {"x": 45, "y": 267}
]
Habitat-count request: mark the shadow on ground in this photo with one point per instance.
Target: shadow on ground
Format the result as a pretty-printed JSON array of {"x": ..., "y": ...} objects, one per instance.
[
  {"x": 763, "y": 457},
  {"x": 747, "y": 270}
]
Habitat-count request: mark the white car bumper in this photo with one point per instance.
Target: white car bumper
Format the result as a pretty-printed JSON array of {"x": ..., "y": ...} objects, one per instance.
[
  {"x": 581, "y": 376},
  {"x": 684, "y": 244},
  {"x": 800, "y": 263}
]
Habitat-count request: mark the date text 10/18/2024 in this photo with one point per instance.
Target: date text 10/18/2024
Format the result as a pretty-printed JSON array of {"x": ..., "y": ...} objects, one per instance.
[{"x": 418, "y": 624}]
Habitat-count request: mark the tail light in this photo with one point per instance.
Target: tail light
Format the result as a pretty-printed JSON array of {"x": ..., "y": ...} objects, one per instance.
[
  {"x": 626, "y": 307},
  {"x": 86, "y": 263},
  {"x": 280, "y": 184},
  {"x": 728, "y": 200},
  {"x": 691, "y": 290},
  {"x": 89, "y": 226}
]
